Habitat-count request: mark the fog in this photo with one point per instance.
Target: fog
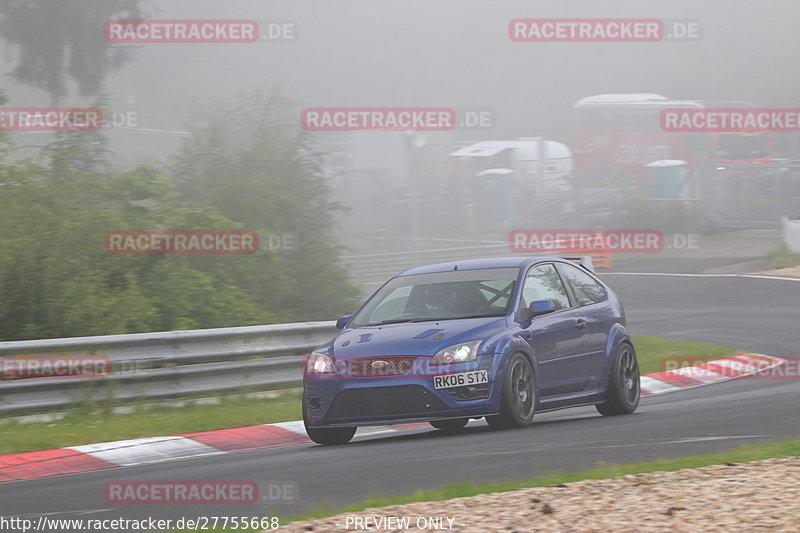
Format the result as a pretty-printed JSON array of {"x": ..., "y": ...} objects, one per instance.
[{"x": 456, "y": 54}]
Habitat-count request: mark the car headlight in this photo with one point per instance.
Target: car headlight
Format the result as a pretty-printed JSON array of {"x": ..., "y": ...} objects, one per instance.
[
  {"x": 457, "y": 353},
  {"x": 318, "y": 363}
]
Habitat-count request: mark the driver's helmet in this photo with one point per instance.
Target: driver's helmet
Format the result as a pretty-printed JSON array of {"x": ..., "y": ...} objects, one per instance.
[{"x": 439, "y": 297}]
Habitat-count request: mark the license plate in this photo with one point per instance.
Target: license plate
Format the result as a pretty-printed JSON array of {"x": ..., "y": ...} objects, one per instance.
[{"x": 475, "y": 377}]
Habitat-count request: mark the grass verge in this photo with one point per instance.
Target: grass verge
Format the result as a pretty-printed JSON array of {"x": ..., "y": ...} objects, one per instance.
[
  {"x": 742, "y": 454},
  {"x": 96, "y": 423},
  {"x": 651, "y": 350},
  {"x": 87, "y": 426},
  {"x": 783, "y": 258}
]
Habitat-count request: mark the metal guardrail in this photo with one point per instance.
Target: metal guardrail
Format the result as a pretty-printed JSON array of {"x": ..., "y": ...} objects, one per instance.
[{"x": 173, "y": 364}]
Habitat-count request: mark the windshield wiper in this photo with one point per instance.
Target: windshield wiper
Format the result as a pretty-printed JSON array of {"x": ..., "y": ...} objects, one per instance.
[
  {"x": 498, "y": 315},
  {"x": 392, "y": 321},
  {"x": 403, "y": 320},
  {"x": 426, "y": 319}
]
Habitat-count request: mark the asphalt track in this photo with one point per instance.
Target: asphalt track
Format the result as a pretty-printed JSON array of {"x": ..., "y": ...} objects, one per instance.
[{"x": 758, "y": 315}]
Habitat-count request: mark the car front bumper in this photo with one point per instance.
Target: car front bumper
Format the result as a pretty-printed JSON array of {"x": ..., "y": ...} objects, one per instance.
[{"x": 347, "y": 401}]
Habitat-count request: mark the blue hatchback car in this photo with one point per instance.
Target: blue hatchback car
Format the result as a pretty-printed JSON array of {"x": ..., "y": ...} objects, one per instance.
[{"x": 500, "y": 338}]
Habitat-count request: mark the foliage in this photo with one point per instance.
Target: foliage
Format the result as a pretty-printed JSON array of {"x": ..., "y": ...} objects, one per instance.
[
  {"x": 56, "y": 279},
  {"x": 247, "y": 159},
  {"x": 671, "y": 216}
]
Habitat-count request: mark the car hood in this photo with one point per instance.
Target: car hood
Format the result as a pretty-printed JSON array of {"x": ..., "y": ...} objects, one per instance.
[{"x": 417, "y": 338}]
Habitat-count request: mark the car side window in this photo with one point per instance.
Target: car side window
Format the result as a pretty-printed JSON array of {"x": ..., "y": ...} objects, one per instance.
[
  {"x": 543, "y": 283},
  {"x": 585, "y": 288},
  {"x": 497, "y": 292}
]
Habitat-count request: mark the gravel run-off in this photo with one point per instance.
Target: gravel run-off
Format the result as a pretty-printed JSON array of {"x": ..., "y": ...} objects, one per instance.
[{"x": 755, "y": 496}]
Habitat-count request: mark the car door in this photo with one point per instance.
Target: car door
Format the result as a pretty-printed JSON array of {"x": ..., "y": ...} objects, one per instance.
[
  {"x": 555, "y": 338},
  {"x": 589, "y": 296}
]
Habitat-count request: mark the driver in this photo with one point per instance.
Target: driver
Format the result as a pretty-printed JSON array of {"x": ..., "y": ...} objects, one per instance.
[{"x": 439, "y": 298}]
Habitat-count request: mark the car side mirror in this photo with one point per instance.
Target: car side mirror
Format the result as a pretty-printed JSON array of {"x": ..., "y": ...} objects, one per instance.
[
  {"x": 537, "y": 308},
  {"x": 342, "y": 321}
]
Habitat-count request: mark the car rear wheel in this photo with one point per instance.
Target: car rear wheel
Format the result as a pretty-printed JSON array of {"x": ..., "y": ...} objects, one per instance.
[
  {"x": 623, "y": 383},
  {"x": 454, "y": 424},
  {"x": 519, "y": 396}
]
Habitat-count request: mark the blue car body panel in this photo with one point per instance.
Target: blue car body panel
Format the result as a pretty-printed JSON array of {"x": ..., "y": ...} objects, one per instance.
[{"x": 571, "y": 351}]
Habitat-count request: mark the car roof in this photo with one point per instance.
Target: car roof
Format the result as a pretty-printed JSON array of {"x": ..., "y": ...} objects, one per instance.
[{"x": 475, "y": 264}]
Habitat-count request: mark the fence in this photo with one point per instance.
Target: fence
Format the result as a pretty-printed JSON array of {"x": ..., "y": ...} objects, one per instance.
[{"x": 751, "y": 195}]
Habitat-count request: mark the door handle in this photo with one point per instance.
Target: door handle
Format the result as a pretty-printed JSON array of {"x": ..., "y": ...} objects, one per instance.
[{"x": 580, "y": 323}]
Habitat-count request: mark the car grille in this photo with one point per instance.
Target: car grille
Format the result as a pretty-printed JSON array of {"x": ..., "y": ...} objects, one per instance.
[
  {"x": 394, "y": 366},
  {"x": 384, "y": 401}
]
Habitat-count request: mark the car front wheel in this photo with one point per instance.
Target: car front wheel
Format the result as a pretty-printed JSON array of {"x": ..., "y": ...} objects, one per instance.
[
  {"x": 329, "y": 436},
  {"x": 519, "y": 396}
]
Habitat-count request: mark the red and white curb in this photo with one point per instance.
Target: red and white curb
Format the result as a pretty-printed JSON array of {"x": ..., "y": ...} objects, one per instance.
[
  {"x": 29, "y": 465},
  {"x": 714, "y": 371}
]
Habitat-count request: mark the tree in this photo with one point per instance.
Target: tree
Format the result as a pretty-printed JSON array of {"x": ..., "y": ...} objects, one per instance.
[
  {"x": 63, "y": 40},
  {"x": 56, "y": 279},
  {"x": 252, "y": 162}
]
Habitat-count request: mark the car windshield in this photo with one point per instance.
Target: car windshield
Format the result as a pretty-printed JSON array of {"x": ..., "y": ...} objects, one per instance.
[{"x": 440, "y": 296}]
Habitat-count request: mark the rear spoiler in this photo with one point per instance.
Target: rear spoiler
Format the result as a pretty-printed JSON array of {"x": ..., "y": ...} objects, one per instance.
[{"x": 584, "y": 261}]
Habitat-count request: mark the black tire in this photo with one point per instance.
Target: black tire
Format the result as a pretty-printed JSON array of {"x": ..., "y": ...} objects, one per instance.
[
  {"x": 519, "y": 396},
  {"x": 328, "y": 436},
  {"x": 622, "y": 397},
  {"x": 453, "y": 424},
  {"x": 331, "y": 436}
]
